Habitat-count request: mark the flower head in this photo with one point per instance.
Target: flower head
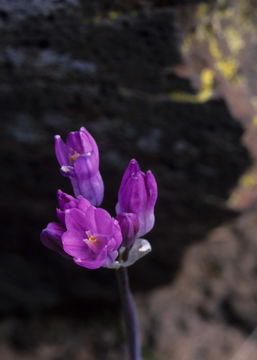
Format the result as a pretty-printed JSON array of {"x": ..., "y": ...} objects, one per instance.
[
  {"x": 137, "y": 195},
  {"x": 92, "y": 237},
  {"x": 79, "y": 160}
]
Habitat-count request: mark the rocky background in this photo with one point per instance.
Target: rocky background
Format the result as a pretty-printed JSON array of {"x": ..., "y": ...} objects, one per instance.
[{"x": 173, "y": 84}]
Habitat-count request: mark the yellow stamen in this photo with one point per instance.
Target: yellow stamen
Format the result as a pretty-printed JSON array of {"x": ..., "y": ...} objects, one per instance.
[
  {"x": 75, "y": 156},
  {"x": 91, "y": 237}
]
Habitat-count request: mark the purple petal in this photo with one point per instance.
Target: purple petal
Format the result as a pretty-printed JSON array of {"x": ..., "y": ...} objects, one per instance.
[
  {"x": 90, "y": 223},
  {"x": 133, "y": 196},
  {"x": 93, "y": 263},
  {"x": 88, "y": 182},
  {"x": 111, "y": 256},
  {"x": 104, "y": 221},
  {"x": 86, "y": 165},
  {"x": 61, "y": 151},
  {"x": 61, "y": 216},
  {"x": 131, "y": 170},
  {"x": 146, "y": 223},
  {"x": 73, "y": 238},
  {"x": 74, "y": 245},
  {"x": 67, "y": 171},
  {"x": 113, "y": 244},
  {"x": 75, "y": 220},
  {"x": 75, "y": 186},
  {"x": 66, "y": 201},
  {"x": 83, "y": 204},
  {"x": 88, "y": 143},
  {"x": 97, "y": 245},
  {"x": 51, "y": 237},
  {"x": 73, "y": 142},
  {"x": 129, "y": 225},
  {"x": 151, "y": 188},
  {"x": 117, "y": 233}
]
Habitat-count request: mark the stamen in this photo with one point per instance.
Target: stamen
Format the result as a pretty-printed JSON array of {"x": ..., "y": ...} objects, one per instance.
[
  {"x": 75, "y": 156},
  {"x": 91, "y": 237}
]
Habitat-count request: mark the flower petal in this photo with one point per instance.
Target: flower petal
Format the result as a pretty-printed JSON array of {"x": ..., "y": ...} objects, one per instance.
[
  {"x": 61, "y": 151},
  {"x": 97, "y": 245},
  {"x": 51, "y": 237},
  {"x": 93, "y": 263},
  {"x": 88, "y": 144},
  {"x": 74, "y": 245},
  {"x": 89, "y": 181},
  {"x": 73, "y": 142},
  {"x": 151, "y": 188},
  {"x": 131, "y": 170},
  {"x": 75, "y": 220},
  {"x": 67, "y": 171},
  {"x": 86, "y": 166},
  {"x": 61, "y": 216},
  {"x": 129, "y": 225},
  {"x": 66, "y": 201},
  {"x": 83, "y": 204},
  {"x": 104, "y": 222}
]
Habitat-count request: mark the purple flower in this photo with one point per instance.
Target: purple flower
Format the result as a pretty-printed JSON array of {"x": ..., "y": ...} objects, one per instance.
[
  {"x": 92, "y": 237},
  {"x": 79, "y": 160},
  {"x": 88, "y": 234},
  {"x": 137, "y": 195}
]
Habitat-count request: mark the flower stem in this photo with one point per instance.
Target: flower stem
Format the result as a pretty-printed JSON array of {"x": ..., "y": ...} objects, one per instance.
[{"x": 130, "y": 316}]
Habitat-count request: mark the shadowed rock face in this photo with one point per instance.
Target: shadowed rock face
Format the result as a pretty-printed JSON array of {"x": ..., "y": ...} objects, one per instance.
[{"x": 62, "y": 68}]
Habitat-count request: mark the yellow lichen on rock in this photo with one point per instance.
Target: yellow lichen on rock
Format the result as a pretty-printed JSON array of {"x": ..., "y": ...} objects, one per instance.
[
  {"x": 228, "y": 67},
  {"x": 248, "y": 180},
  {"x": 234, "y": 40},
  {"x": 205, "y": 93}
]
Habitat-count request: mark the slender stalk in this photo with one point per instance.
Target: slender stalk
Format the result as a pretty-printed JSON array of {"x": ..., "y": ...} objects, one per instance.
[{"x": 130, "y": 316}]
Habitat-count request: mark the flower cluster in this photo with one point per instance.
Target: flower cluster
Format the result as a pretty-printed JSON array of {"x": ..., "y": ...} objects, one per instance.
[{"x": 87, "y": 233}]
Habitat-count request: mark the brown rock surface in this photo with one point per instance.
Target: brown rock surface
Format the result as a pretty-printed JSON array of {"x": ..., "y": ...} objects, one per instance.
[{"x": 210, "y": 310}]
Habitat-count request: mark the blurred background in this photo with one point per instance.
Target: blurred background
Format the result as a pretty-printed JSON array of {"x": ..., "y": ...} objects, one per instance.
[{"x": 173, "y": 84}]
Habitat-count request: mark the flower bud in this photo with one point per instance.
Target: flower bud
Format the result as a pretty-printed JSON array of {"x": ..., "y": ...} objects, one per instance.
[
  {"x": 137, "y": 195},
  {"x": 79, "y": 160}
]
